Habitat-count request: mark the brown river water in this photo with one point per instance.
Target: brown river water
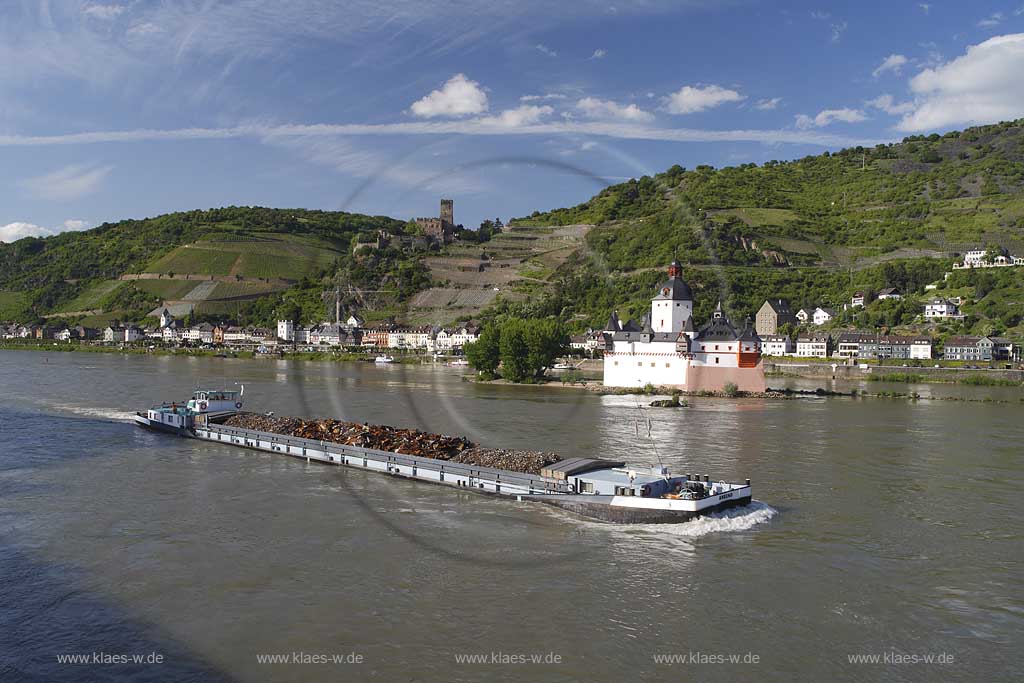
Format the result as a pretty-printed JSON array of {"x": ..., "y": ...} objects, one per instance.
[{"x": 885, "y": 529}]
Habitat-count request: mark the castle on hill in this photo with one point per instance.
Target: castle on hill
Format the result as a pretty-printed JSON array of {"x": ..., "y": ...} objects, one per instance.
[{"x": 668, "y": 349}]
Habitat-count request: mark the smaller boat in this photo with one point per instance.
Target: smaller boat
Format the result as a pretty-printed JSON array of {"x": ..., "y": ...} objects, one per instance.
[
  {"x": 383, "y": 358},
  {"x": 562, "y": 366},
  {"x": 459, "y": 363}
]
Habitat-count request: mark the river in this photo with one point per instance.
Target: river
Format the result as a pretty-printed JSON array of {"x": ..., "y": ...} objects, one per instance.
[{"x": 884, "y": 528}]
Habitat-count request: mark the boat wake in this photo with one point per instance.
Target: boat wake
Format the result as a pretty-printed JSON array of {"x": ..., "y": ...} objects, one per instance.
[
  {"x": 727, "y": 521},
  {"x": 86, "y": 411}
]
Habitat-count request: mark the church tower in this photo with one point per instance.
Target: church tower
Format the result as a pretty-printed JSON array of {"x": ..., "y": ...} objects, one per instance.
[{"x": 673, "y": 304}]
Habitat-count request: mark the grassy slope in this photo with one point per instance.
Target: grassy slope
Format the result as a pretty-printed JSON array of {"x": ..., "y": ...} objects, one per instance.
[
  {"x": 78, "y": 271},
  {"x": 812, "y": 230}
]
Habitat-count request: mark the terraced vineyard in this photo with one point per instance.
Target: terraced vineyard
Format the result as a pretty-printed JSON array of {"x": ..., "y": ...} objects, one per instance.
[{"x": 511, "y": 266}]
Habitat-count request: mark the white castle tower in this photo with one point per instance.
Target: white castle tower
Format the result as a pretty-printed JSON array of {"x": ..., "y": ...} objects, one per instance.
[
  {"x": 286, "y": 330},
  {"x": 673, "y": 305}
]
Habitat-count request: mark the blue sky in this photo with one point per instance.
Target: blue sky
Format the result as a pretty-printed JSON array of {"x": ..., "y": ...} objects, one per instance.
[{"x": 114, "y": 109}]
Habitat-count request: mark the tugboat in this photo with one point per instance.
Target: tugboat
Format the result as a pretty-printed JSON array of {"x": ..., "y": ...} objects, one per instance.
[
  {"x": 383, "y": 358},
  {"x": 180, "y": 418}
]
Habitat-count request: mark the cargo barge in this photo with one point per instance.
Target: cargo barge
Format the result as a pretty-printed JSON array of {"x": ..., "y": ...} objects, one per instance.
[{"x": 599, "y": 489}]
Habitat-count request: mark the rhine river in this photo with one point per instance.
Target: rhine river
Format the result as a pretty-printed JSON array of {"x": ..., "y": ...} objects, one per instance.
[{"x": 884, "y": 528}]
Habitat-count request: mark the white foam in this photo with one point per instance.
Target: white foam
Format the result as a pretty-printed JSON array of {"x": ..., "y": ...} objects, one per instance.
[
  {"x": 726, "y": 521},
  {"x": 88, "y": 411}
]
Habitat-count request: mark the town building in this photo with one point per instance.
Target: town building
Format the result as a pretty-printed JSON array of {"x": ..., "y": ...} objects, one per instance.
[
  {"x": 968, "y": 348},
  {"x": 850, "y": 344},
  {"x": 814, "y": 345},
  {"x": 286, "y": 330},
  {"x": 941, "y": 308},
  {"x": 889, "y": 293},
  {"x": 773, "y": 314},
  {"x": 777, "y": 345},
  {"x": 806, "y": 315},
  {"x": 823, "y": 315},
  {"x": 859, "y": 299},
  {"x": 667, "y": 349}
]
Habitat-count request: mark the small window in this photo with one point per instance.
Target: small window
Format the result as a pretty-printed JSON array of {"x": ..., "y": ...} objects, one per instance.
[
  {"x": 639, "y": 363},
  {"x": 615, "y": 363},
  {"x": 668, "y": 365},
  {"x": 716, "y": 360},
  {"x": 716, "y": 347},
  {"x": 652, "y": 365}
]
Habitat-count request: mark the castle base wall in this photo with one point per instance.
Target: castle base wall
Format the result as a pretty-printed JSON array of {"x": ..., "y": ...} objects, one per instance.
[{"x": 710, "y": 378}]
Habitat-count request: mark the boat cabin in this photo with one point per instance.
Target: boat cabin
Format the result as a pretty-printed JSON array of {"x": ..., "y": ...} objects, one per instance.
[{"x": 215, "y": 401}]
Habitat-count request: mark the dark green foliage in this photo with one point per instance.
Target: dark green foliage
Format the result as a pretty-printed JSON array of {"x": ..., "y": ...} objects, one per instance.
[
  {"x": 42, "y": 267},
  {"x": 524, "y": 347}
]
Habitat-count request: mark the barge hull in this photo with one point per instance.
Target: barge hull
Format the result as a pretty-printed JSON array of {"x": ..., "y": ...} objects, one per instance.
[
  {"x": 521, "y": 486},
  {"x": 616, "y": 514}
]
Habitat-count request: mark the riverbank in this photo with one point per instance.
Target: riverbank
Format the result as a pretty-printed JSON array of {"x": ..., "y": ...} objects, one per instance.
[{"x": 975, "y": 376}]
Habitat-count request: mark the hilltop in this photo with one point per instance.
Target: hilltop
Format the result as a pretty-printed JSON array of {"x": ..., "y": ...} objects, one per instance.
[
  {"x": 253, "y": 264},
  {"x": 224, "y": 261},
  {"x": 812, "y": 230}
]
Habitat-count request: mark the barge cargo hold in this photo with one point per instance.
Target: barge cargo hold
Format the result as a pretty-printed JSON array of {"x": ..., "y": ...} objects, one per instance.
[{"x": 599, "y": 489}]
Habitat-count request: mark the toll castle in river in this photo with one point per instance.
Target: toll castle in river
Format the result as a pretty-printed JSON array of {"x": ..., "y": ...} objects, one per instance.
[{"x": 667, "y": 349}]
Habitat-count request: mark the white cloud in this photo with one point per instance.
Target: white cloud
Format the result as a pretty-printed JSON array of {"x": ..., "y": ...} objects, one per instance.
[
  {"x": 595, "y": 108},
  {"x": 146, "y": 28},
  {"x": 544, "y": 49},
  {"x": 599, "y": 53},
  {"x": 64, "y": 184},
  {"x": 887, "y": 104},
  {"x": 523, "y": 115},
  {"x": 541, "y": 98},
  {"x": 837, "y": 31},
  {"x": 458, "y": 97},
  {"x": 690, "y": 99},
  {"x": 768, "y": 104},
  {"x": 624, "y": 130},
  {"x": 105, "y": 12},
  {"x": 980, "y": 86},
  {"x": 826, "y": 117},
  {"x": 893, "y": 63},
  {"x": 19, "y": 229},
  {"x": 991, "y": 20},
  {"x": 925, "y": 7}
]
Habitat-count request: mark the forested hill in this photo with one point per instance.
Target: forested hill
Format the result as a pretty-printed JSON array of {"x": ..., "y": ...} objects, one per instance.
[
  {"x": 249, "y": 251},
  {"x": 811, "y": 229}
]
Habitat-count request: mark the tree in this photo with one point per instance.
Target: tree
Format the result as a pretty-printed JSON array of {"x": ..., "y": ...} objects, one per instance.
[
  {"x": 485, "y": 353},
  {"x": 515, "y": 364},
  {"x": 545, "y": 341}
]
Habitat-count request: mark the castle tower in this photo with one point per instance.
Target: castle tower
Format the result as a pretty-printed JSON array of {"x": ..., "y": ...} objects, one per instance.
[
  {"x": 673, "y": 305},
  {"x": 448, "y": 211}
]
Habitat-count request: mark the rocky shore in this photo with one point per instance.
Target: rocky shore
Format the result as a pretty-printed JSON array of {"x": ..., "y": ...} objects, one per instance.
[{"x": 457, "y": 449}]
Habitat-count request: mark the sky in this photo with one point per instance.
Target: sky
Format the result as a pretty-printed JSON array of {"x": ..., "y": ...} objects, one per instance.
[{"x": 114, "y": 109}]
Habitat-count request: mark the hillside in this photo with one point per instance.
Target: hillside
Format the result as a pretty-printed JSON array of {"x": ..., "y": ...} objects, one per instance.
[
  {"x": 812, "y": 230},
  {"x": 218, "y": 262}
]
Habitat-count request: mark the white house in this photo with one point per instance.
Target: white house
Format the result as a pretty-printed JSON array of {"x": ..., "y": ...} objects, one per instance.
[
  {"x": 823, "y": 315},
  {"x": 921, "y": 348},
  {"x": 113, "y": 334},
  {"x": 464, "y": 335},
  {"x": 286, "y": 330},
  {"x": 165, "y": 318},
  {"x": 940, "y": 308},
  {"x": 858, "y": 299},
  {"x": 777, "y": 345},
  {"x": 889, "y": 293},
  {"x": 815, "y": 345},
  {"x": 805, "y": 315}
]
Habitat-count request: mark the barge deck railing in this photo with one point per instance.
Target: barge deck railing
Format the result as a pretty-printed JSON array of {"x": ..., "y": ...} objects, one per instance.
[{"x": 413, "y": 466}]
